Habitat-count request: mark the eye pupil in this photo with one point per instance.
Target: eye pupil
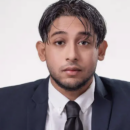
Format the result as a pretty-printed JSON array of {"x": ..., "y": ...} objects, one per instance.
[
  {"x": 59, "y": 42},
  {"x": 81, "y": 43},
  {"x": 84, "y": 43}
]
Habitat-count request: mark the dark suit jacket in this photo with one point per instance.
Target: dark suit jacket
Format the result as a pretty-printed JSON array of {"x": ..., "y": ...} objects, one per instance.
[{"x": 24, "y": 107}]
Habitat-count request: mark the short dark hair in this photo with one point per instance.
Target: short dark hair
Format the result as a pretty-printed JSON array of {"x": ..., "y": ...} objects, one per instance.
[{"x": 78, "y": 8}]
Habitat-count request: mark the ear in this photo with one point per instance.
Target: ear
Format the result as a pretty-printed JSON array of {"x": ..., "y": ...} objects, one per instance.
[
  {"x": 40, "y": 46},
  {"x": 102, "y": 50}
]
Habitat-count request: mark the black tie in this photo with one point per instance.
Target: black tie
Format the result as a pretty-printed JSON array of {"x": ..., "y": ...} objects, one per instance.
[{"x": 73, "y": 121}]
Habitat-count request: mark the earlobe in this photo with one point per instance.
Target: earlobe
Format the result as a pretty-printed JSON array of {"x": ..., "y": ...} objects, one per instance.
[
  {"x": 40, "y": 46},
  {"x": 102, "y": 50}
]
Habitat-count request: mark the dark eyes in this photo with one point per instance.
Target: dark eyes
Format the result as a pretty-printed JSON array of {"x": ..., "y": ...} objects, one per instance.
[
  {"x": 62, "y": 43},
  {"x": 59, "y": 43},
  {"x": 83, "y": 43}
]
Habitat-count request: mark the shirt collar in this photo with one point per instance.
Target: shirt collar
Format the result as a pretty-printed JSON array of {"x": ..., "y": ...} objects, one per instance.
[
  {"x": 59, "y": 101},
  {"x": 86, "y": 99}
]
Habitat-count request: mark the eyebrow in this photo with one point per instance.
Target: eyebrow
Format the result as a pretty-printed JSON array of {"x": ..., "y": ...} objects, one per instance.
[{"x": 79, "y": 33}]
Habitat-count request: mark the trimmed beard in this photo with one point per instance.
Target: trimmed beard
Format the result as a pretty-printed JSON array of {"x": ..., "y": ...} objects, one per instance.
[{"x": 76, "y": 86}]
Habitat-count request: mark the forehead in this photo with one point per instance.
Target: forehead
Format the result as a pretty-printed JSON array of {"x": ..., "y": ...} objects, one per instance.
[{"x": 70, "y": 24}]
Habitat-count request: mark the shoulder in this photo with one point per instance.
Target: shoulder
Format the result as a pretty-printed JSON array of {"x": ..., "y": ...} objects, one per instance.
[
  {"x": 115, "y": 85},
  {"x": 14, "y": 101},
  {"x": 20, "y": 90},
  {"x": 115, "y": 82}
]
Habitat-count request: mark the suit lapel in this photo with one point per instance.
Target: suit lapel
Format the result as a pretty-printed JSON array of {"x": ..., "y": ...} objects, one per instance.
[
  {"x": 101, "y": 107},
  {"x": 37, "y": 108},
  {"x": 38, "y": 105}
]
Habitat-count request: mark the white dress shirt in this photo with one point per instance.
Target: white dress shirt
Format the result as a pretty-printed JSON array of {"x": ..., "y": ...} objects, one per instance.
[{"x": 56, "y": 114}]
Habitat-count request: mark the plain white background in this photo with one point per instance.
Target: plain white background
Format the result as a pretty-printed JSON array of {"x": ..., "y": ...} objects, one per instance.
[{"x": 19, "y": 62}]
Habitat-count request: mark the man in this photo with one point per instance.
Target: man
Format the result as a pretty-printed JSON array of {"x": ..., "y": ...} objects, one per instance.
[{"x": 73, "y": 97}]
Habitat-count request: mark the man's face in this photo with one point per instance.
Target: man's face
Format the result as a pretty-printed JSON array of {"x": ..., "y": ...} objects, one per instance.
[{"x": 71, "y": 54}]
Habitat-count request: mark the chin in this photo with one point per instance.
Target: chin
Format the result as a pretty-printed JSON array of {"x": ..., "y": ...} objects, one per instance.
[{"x": 71, "y": 79}]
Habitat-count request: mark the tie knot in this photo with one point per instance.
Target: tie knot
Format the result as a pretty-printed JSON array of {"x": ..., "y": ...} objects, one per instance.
[{"x": 72, "y": 109}]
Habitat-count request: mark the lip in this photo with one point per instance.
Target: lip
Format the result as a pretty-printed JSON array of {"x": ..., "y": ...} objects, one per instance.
[
  {"x": 72, "y": 69},
  {"x": 72, "y": 72}
]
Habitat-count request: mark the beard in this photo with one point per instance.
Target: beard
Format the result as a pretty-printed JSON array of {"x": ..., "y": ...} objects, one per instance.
[{"x": 72, "y": 87}]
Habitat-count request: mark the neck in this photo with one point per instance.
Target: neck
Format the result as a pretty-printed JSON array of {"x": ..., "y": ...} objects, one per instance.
[{"x": 72, "y": 95}]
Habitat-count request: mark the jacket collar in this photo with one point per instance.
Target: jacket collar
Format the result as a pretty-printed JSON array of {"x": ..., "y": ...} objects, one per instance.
[
  {"x": 37, "y": 109},
  {"x": 41, "y": 93},
  {"x": 101, "y": 107},
  {"x": 38, "y": 106}
]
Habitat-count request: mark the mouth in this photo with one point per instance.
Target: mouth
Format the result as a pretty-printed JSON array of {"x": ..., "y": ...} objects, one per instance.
[{"x": 72, "y": 72}]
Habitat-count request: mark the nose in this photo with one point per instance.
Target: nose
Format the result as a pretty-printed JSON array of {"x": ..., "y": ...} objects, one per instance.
[{"x": 72, "y": 52}]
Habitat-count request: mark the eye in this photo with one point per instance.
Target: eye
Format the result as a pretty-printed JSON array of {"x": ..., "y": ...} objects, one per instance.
[
  {"x": 83, "y": 43},
  {"x": 59, "y": 43}
]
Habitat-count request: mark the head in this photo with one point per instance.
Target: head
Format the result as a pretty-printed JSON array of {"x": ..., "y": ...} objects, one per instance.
[{"x": 72, "y": 33}]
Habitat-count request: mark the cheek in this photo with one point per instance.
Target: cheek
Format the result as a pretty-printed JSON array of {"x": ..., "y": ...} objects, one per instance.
[
  {"x": 90, "y": 58},
  {"x": 94, "y": 58},
  {"x": 53, "y": 58}
]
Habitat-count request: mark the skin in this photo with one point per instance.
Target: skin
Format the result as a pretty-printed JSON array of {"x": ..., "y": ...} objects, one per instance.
[{"x": 71, "y": 49}]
